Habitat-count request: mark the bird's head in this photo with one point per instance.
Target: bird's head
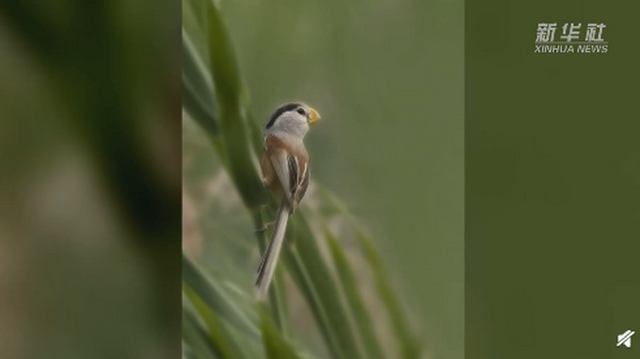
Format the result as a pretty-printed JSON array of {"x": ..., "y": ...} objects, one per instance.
[{"x": 293, "y": 119}]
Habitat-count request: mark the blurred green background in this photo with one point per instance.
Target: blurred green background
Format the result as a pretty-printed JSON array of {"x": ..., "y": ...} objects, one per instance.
[
  {"x": 552, "y": 183},
  {"x": 90, "y": 179},
  {"x": 387, "y": 78}
]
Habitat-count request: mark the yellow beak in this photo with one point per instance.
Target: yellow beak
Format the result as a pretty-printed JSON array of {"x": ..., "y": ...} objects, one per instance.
[{"x": 314, "y": 117}]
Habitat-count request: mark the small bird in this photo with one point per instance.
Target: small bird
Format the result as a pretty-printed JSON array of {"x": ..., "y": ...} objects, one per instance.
[{"x": 285, "y": 171}]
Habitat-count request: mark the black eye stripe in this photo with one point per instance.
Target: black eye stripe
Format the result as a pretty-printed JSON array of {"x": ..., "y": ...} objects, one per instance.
[
  {"x": 301, "y": 112},
  {"x": 282, "y": 109}
]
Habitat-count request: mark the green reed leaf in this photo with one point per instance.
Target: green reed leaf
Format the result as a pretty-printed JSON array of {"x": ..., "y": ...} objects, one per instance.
[
  {"x": 197, "y": 338},
  {"x": 275, "y": 345},
  {"x": 220, "y": 336},
  {"x": 356, "y": 304},
  {"x": 213, "y": 295},
  {"x": 322, "y": 282},
  {"x": 231, "y": 109},
  {"x": 410, "y": 347}
]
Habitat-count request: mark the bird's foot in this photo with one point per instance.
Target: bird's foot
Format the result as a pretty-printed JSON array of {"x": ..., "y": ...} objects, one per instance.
[{"x": 265, "y": 227}]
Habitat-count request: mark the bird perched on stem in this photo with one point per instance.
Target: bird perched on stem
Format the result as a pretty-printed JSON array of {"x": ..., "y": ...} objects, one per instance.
[{"x": 285, "y": 171}]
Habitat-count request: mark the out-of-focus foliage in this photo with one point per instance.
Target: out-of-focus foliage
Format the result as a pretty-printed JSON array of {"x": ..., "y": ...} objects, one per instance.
[
  {"x": 316, "y": 305},
  {"x": 89, "y": 179}
]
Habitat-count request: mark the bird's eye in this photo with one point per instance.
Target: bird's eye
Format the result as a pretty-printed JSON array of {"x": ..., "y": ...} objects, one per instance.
[{"x": 301, "y": 112}]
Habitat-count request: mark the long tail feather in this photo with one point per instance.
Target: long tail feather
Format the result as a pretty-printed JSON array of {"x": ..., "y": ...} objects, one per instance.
[{"x": 270, "y": 258}]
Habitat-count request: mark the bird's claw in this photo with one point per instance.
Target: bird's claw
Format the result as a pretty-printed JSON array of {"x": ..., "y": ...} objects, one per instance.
[{"x": 265, "y": 227}]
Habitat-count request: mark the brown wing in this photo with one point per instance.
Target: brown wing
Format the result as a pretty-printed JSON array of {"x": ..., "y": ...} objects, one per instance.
[
  {"x": 285, "y": 170},
  {"x": 301, "y": 190},
  {"x": 269, "y": 176}
]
